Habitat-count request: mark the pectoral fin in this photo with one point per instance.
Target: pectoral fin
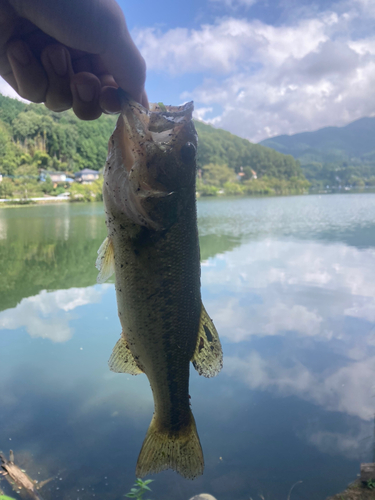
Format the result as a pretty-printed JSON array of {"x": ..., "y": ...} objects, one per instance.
[
  {"x": 105, "y": 262},
  {"x": 208, "y": 356},
  {"x": 122, "y": 359}
]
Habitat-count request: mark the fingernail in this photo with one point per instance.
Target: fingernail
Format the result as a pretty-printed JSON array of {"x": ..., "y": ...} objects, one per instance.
[
  {"x": 86, "y": 92},
  {"x": 57, "y": 56},
  {"x": 20, "y": 53}
]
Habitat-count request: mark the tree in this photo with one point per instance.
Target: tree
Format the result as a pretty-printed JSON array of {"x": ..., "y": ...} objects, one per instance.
[
  {"x": 6, "y": 188},
  {"x": 217, "y": 175},
  {"x": 47, "y": 185}
]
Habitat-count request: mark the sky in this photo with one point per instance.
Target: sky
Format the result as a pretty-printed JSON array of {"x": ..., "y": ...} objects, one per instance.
[{"x": 259, "y": 68}]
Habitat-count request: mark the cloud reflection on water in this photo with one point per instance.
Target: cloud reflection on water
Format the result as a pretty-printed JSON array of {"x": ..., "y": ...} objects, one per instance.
[
  {"x": 304, "y": 293},
  {"x": 47, "y": 314},
  {"x": 353, "y": 445},
  {"x": 272, "y": 287}
]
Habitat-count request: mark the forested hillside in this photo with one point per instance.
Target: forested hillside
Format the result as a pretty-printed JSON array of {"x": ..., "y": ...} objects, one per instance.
[
  {"x": 219, "y": 147},
  {"x": 60, "y": 141},
  {"x": 34, "y": 138},
  {"x": 334, "y": 156}
]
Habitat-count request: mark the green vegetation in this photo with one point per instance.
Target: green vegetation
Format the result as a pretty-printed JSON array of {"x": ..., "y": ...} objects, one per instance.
[
  {"x": 5, "y": 497},
  {"x": 333, "y": 156},
  {"x": 32, "y": 139},
  {"x": 58, "y": 251},
  {"x": 37, "y": 256},
  {"x": 87, "y": 192},
  {"x": 234, "y": 166},
  {"x": 139, "y": 489}
]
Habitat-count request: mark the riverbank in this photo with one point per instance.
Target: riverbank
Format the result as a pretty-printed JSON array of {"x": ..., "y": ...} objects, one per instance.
[
  {"x": 355, "y": 491},
  {"x": 22, "y": 202}
]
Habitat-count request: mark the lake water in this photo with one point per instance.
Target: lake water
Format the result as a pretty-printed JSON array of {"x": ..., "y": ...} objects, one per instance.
[{"x": 290, "y": 284}]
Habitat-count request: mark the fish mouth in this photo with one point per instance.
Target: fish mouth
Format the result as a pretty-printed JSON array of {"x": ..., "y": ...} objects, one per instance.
[{"x": 149, "y": 155}]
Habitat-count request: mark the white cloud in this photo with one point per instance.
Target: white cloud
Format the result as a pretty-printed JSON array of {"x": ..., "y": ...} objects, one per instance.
[
  {"x": 228, "y": 45},
  {"x": 307, "y": 293},
  {"x": 275, "y": 287},
  {"x": 200, "y": 113},
  {"x": 310, "y": 72},
  {"x": 353, "y": 445},
  {"x": 349, "y": 389},
  {"x": 212, "y": 48},
  {"x": 294, "y": 318},
  {"x": 235, "y": 3},
  {"x": 46, "y": 315}
]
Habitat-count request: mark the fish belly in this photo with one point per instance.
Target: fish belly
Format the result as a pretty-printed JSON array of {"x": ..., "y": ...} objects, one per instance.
[{"x": 159, "y": 305}]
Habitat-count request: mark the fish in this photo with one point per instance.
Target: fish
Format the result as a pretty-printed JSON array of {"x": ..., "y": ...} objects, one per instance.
[{"x": 152, "y": 248}]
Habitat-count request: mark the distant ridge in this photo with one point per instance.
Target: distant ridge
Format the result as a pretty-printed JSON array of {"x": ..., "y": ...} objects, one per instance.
[
  {"x": 333, "y": 156},
  {"x": 353, "y": 141},
  {"x": 68, "y": 143}
]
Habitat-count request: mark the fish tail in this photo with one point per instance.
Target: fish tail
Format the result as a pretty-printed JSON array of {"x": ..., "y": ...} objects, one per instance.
[{"x": 163, "y": 449}]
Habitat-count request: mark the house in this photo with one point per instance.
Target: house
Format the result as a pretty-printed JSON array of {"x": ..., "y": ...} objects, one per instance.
[
  {"x": 86, "y": 176},
  {"x": 242, "y": 175},
  {"x": 55, "y": 177}
]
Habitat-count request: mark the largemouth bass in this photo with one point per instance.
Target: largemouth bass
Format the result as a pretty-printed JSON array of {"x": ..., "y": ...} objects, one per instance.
[{"x": 153, "y": 249}]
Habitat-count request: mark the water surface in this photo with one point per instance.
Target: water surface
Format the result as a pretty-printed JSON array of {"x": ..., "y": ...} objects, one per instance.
[{"x": 290, "y": 284}]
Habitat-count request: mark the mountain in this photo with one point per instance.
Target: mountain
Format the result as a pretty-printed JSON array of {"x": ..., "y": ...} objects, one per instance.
[
  {"x": 34, "y": 138},
  {"x": 217, "y": 146},
  {"x": 73, "y": 143},
  {"x": 353, "y": 142},
  {"x": 333, "y": 155}
]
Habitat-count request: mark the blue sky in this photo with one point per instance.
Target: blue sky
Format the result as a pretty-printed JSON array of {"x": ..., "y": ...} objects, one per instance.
[{"x": 259, "y": 68}]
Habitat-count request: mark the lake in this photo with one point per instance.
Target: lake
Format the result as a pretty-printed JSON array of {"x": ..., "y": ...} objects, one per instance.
[{"x": 290, "y": 284}]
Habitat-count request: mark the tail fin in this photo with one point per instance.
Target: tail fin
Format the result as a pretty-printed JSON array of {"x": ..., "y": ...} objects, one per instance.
[{"x": 180, "y": 451}]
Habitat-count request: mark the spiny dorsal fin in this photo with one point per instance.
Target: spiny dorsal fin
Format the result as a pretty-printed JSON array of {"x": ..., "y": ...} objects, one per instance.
[
  {"x": 105, "y": 262},
  {"x": 122, "y": 359},
  {"x": 208, "y": 355}
]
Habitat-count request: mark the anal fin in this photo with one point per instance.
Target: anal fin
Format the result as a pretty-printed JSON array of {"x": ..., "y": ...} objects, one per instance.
[
  {"x": 208, "y": 355},
  {"x": 122, "y": 359},
  {"x": 105, "y": 263}
]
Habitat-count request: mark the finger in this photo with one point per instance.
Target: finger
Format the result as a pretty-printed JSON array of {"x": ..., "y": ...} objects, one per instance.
[
  {"x": 144, "y": 100},
  {"x": 109, "y": 100},
  {"x": 56, "y": 63},
  {"x": 127, "y": 66},
  {"x": 29, "y": 75},
  {"x": 7, "y": 24},
  {"x": 9, "y": 78},
  {"x": 85, "y": 89},
  {"x": 81, "y": 62}
]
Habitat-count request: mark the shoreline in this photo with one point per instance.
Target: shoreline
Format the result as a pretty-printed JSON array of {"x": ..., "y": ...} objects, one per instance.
[
  {"x": 30, "y": 202},
  {"x": 22, "y": 202}
]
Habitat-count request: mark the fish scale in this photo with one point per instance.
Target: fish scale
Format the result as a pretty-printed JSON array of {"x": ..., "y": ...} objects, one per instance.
[{"x": 153, "y": 249}]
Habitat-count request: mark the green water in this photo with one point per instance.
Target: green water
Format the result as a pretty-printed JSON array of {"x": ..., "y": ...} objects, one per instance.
[{"x": 290, "y": 284}]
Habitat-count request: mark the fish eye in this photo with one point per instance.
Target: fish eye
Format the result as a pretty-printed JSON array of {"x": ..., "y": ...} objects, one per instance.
[{"x": 187, "y": 152}]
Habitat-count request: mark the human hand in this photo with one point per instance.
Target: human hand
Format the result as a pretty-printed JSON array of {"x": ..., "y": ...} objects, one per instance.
[{"x": 70, "y": 53}]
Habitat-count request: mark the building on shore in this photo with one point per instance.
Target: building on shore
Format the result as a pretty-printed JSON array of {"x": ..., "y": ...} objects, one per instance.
[{"x": 86, "y": 176}]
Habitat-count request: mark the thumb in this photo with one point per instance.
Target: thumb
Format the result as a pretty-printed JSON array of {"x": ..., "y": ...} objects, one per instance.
[{"x": 128, "y": 68}]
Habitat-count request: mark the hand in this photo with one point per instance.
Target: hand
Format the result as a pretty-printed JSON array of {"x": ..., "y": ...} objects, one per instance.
[{"x": 70, "y": 53}]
